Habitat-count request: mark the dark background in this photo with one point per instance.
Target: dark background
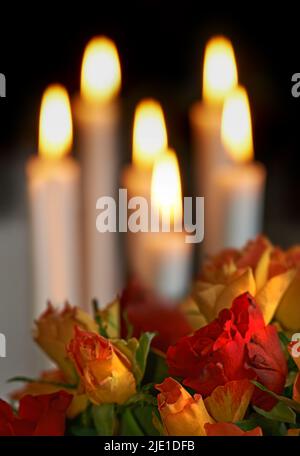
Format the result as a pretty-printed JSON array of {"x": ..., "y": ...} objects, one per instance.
[{"x": 161, "y": 48}]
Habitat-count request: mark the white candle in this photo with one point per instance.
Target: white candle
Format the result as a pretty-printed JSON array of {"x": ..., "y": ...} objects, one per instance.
[
  {"x": 97, "y": 114},
  {"x": 239, "y": 185},
  {"x": 219, "y": 77},
  {"x": 149, "y": 142},
  {"x": 54, "y": 202},
  {"x": 168, "y": 257}
]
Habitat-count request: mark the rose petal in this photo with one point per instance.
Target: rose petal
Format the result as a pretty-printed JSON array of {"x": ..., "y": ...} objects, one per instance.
[{"x": 229, "y": 403}]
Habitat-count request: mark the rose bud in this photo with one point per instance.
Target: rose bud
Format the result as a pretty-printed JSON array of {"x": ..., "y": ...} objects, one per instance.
[
  {"x": 55, "y": 329},
  {"x": 181, "y": 413},
  {"x": 105, "y": 372}
]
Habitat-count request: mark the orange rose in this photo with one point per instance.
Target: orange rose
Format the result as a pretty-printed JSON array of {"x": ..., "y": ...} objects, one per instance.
[
  {"x": 105, "y": 372},
  {"x": 55, "y": 329},
  {"x": 181, "y": 413}
]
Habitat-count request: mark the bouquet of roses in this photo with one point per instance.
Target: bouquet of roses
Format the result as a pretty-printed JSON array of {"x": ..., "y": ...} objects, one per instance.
[{"x": 223, "y": 362}]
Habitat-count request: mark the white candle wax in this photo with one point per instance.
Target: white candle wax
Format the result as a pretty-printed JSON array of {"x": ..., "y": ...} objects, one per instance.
[
  {"x": 99, "y": 153},
  {"x": 209, "y": 157},
  {"x": 54, "y": 203},
  {"x": 168, "y": 268},
  {"x": 239, "y": 214}
]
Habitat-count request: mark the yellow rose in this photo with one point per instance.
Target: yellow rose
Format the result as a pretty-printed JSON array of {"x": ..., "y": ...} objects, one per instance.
[
  {"x": 181, "y": 413},
  {"x": 55, "y": 329},
  {"x": 266, "y": 272},
  {"x": 104, "y": 371}
]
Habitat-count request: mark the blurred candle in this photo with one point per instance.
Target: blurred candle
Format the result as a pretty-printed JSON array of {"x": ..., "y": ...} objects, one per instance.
[
  {"x": 54, "y": 201},
  {"x": 149, "y": 141},
  {"x": 97, "y": 115},
  {"x": 239, "y": 185},
  {"x": 219, "y": 77},
  {"x": 168, "y": 256}
]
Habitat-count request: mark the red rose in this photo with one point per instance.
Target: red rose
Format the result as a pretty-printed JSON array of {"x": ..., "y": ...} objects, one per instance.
[
  {"x": 235, "y": 346},
  {"x": 147, "y": 312},
  {"x": 38, "y": 415}
]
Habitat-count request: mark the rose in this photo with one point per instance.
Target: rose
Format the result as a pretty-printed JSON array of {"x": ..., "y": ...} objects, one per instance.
[
  {"x": 230, "y": 429},
  {"x": 51, "y": 382},
  {"x": 147, "y": 312},
  {"x": 265, "y": 271},
  {"x": 105, "y": 372},
  {"x": 235, "y": 346},
  {"x": 42, "y": 415},
  {"x": 181, "y": 413},
  {"x": 55, "y": 329}
]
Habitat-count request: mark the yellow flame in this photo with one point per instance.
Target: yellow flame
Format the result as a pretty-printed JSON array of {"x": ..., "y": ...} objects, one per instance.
[
  {"x": 55, "y": 127},
  {"x": 219, "y": 72},
  {"x": 149, "y": 133},
  {"x": 166, "y": 193},
  {"x": 236, "y": 130},
  {"x": 101, "y": 70}
]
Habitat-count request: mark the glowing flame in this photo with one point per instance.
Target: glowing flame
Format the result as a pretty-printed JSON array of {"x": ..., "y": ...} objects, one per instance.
[
  {"x": 166, "y": 186},
  {"x": 55, "y": 128},
  {"x": 236, "y": 128},
  {"x": 220, "y": 72},
  {"x": 101, "y": 71},
  {"x": 149, "y": 133}
]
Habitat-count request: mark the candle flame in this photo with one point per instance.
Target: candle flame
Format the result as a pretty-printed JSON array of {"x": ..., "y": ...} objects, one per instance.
[
  {"x": 220, "y": 72},
  {"x": 55, "y": 127},
  {"x": 236, "y": 130},
  {"x": 101, "y": 71},
  {"x": 149, "y": 133},
  {"x": 166, "y": 186}
]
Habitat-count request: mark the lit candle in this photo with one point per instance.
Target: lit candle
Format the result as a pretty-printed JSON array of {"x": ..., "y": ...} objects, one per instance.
[
  {"x": 149, "y": 141},
  {"x": 168, "y": 256},
  {"x": 54, "y": 201},
  {"x": 239, "y": 185},
  {"x": 219, "y": 77},
  {"x": 97, "y": 114}
]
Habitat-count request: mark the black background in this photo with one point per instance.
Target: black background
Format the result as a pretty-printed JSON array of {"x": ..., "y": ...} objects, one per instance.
[{"x": 161, "y": 48}]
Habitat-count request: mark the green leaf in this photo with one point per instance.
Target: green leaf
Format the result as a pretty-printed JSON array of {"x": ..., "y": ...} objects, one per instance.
[
  {"x": 130, "y": 426},
  {"x": 98, "y": 319},
  {"x": 157, "y": 368},
  {"x": 144, "y": 415},
  {"x": 37, "y": 380},
  {"x": 104, "y": 419},
  {"x": 141, "y": 354},
  {"x": 289, "y": 402},
  {"x": 280, "y": 412},
  {"x": 81, "y": 431},
  {"x": 156, "y": 420},
  {"x": 143, "y": 398},
  {"x": 269, "y": 427}
]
